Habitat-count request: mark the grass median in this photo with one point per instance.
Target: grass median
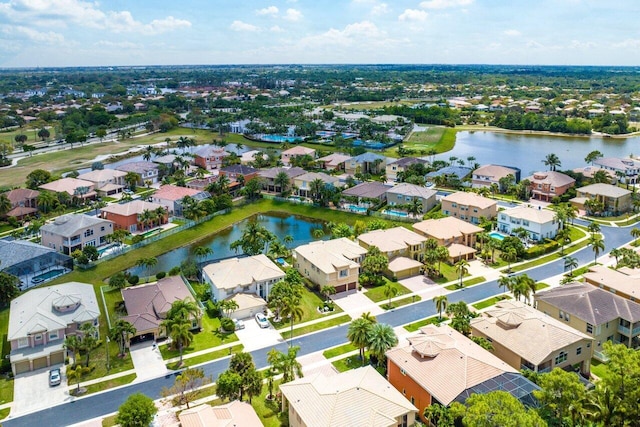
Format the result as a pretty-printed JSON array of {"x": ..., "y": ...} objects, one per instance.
[{"x": 307, "y": 329}]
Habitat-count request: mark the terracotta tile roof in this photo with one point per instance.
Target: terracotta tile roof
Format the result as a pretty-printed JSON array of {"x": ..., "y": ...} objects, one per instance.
[
  {"x": 134, "y": 207},
  {"x": 20, "y": 195},
  {"x": 446, "y": 228},
  {"x": 470, "y": 199},
  {"x": 173, "y": 192}
]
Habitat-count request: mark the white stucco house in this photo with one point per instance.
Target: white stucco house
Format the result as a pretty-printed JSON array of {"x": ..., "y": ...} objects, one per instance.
[{"x": 540, "y": 223}]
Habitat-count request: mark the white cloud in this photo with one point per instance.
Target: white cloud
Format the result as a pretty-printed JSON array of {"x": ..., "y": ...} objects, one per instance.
[
  {"x": 380, "y": 9},
  {"x": 293, "y": 15},
  {"x": 628, "y": 43},
  {"x": 444, "y": 4},
  {"x": 48, "y": 37},
  {"x": 243, "y": 26},
  {"x": 577, "y": 44},
  {"x": 512, "y": 33},
  {"x": 413, "y": 15},
  {"x": 119, "y": 45},
  {"x": 271, "y": 10},
  {"x": 276, "y": 29}
]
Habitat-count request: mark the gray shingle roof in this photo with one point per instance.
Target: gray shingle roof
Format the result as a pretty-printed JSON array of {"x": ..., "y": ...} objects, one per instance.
[
  {"x": 68, "y": 225},
  {"x": 17, "y": 251}
]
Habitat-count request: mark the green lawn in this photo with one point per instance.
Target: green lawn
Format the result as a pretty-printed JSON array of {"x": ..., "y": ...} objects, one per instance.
[
  {"x": 376, "y": 294},
  {"x": 347, "y": 363},
  {"x": 309, "y": 303},
  {"x": 551, "y": 257},
  {"x": 4, "y": 413},
  {"x": 436, "y": 138},
  {"x": 269, "y": 410},
  {"x": 540, "y": 286},
  {"x": 207, "y": 357},
  {"x": 335, "y": 321},
  {"x": 337, "y": 351},
  {"x": 6, "y": 391},
  {"x": 208, "y": 337},
  {"x": 402, "y": 301},
  {"x": 115, "y": 382},
  {"x": 489, "y": 302},
  {"x": 598, "y": 368},
  {"x": 448, "y": 274},
  {"x": 412, "y": 327},
  {"x": 466, "y": 283}
]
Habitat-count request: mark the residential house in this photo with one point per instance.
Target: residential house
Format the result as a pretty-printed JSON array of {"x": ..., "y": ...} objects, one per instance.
[
  {"x": 440, "y": 366},
  {"x": 457, "y": 235},
  {"x": 549, "y": 184},
  {"x": 235, "y": 413},
  {"x": 487, "y": 175},
  {"x": 234, "y": 172},
  {"x": 210, "y": 157},
  {"x": 330, "y": 263},
  {"x": 147, "y": 306},
  {"x": 615, "y": 200},
  {"x": 107, "y": 182},
  {"x": 526, "y": 338},
  {"x": 404, "y": 194},
  {"x": 596, "y": 312},
  {"x": 39, "y": 321},
  {"x": 251, "y": 275},
  {"x": 32, "y": 263},
  {"x": 303, "y": 182},
  {"x": 146, "y": 171},
  {"x": 624, "y": 169},
  {"x": 250, "y": 156},
  {"x": 358, "y": 397},
  {"x": 540, "y": 223},
  {"x": 404, "y": 249},
  {"x": 131, "y": 216},
  {"x": 24, "y": 202},
  {"x": 298, "y": 151},
  {"x": 268, "y": 178},
  {"x": 78, "y": 189},
  {"x": 469, "y": 207},
  {"x": 400, "y": 166},
  {"x": 458, "y": 172},
  {"x": 171, "y": 197},
  {"x": 624, "y": 282},
  {"x": 366, "y": 163},
  {"x": 334, "y": 161},
  {"x": 72, "y": 232},
  {"x": 367, "y": 193}
]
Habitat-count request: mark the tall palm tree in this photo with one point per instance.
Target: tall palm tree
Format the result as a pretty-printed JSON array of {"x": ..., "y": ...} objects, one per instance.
[
  {"x": 148, "y": 152},
  {"x": 381, "y": 338},
  {"x": 593, "y": 227},
  {"x": 390, "y": 291},
  {"x": 415, "y": 207},
  {"x": 120, "y": 332},
  {"x": 358, "y": 334},
  {"x": 286, "y": 363},
  {"x": 131, "y": 179},
  {"x": 316, "y": 188},
  {"x": 441, "y": 304},
  {"x": 552, "y": 161},
  {"x": 291, "y": 309},
  {"x": 318, "y": 233},
  {"x": 616, "y": 253},
  {"x": 635, "y": 232},
  {"x": 282, "y": 180},
  {"x": 505, "y": 282},
  {"x": 509, "y": 256},
  {"x": 563, "y": 236},
  {"x": 147, "y": 263},
  {"x": 183, "y": 311},
  {"x": 288, "y": 239},
  {"x": 570, "y": 263},
  {"x": 202, "y": 252},
  {"x": 462, "y": 267},
  {"x": 180, "y": 333},
  {"x": 369, "y": 317},
  {"x": 5, "y": 205},
  {"x": 46, "y": 201},
  {"x": 526, "y": 285},
  {"x": 597, "y": 245}
]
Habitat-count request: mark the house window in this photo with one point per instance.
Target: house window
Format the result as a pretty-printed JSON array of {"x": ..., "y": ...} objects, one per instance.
[
  {"x": 23, "y": 342},
  {"x": 102, "y": 228},
  {"x": 589, "y": 328},
  {"x": 562, "y": 357},
  {"x": 88, "y": 232},
  {"x": 53, "y": 335},
  {"x": 38, "y": 337},
  {"x": 578, "y": 351},
  {"x": 413, "y": 401},
  {"x": 561, "y": 314},
  {"x": 344, "y": 273},
  {"x": 403, "y": 372},
  {"x": 404, "y": 392}
]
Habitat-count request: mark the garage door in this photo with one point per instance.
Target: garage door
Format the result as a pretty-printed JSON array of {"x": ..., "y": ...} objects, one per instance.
[
  {"x": 40, "y": 363},
  {"x": 22, "y": 367},
  {"x": 341, "y": 288},
  {"x": 57, "y": 358}
]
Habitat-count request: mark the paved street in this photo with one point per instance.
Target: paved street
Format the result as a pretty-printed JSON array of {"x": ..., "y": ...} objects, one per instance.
[{"x": 109, "y": 401}]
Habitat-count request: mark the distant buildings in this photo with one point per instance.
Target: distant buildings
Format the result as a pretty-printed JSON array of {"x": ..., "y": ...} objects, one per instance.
[
  {"x": 400, "y": 166},
  {"x": 405, "y": 194}
]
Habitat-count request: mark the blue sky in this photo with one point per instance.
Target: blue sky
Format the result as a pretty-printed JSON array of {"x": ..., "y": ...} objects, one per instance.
[{"x": 163, "y": 32}]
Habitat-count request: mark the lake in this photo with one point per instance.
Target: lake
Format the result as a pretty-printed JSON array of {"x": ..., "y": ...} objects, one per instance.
[
  {"x": 300, "y": 228},
  {"x": 527, "y": 151}
]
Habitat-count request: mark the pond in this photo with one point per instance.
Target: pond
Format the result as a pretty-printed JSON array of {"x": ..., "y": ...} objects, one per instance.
[
  {"x": 527, "y": 151},
  {"x": 300, "y": 228}
]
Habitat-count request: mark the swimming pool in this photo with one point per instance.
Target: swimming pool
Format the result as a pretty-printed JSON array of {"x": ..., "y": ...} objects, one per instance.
[
  {"x": 496, "y": 235},
  {"x": 278, "y": 138},
  {"x": 104, "y": 249},
  {"x": 47, "y": 275},
  {"x": 359, "y": 209},
  {"x": 325, "y": 133},
  {"x": 151, "y": 232},
  {"x": 392, "y": 212},
  {"x": 369, "y": 144}
]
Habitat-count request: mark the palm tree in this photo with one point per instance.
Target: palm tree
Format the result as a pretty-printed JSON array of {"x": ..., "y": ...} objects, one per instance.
[
  {"x": 616, "y": 253},
  {"x": 282, "y": 180},
  {"x": 390, "y": 291},
  {"x": 552, "y": 161},
  {"x": 327, "y": 291},
  {"x": 570, "y": 263},
  {"x": 316, "y": 189},
  {"x": 202, "y": 252},
  {"x": 358, "y": 334},
  {"x": 183, "y": 310},
  {"x": 597, "y": 245},
  {"x": 148, "y": 152},
  {"x": 380, "y": 339},
  {"x": 441, "y": 304},
  {"x": 526, "y": 286},
  {"x": 184, "y": 142},
  {"x": 120, "y": 332},
  {"x": 635, "y": 232},
  {"x": 369, "y": 317},
  {"x": 601, "y": 176},
  {"x": 415, "y": 207},
  {"x": 46, "y": 201},
  {"x": 77, "y": 373},
  {"x": 563, "y": 237},
  {"x": 147, "y": 263},
  {"x": 73, "y": 344},
  {"x": 509, "y": 256},
  {"x": 462, "y": 267},
  {"x": 593, "y": 227},
  {"x": 318, "y": 233},
  {"x": 291, "y": 309},
  {"x": 505, "y": 282},
  {"x": 180, "y": 333},
  {"x": 288, "y": 239},
  {"x": 5, "y": 205},
  {"x": 131, "y": 179}
]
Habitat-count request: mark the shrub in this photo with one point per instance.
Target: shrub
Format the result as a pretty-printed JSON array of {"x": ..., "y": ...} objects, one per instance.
[
  {"x": 227, "y": 324},
  {"x": 160, "y": 275},
  {"x": 137, "y": 239},
  {"x": 213, "y": 309},
  {"x": 541, "y": 249},
  {"x": 133, "y": 280},
  {"x": 174, "y": 271}
]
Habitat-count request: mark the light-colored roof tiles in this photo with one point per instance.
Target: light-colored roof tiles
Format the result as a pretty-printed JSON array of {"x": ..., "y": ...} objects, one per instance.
[
  {"x": 331, "y": 255},
  {"x": 470, "y": 199},
  {"x": 233, "y": 272},
  {"x": 446, "y": 228},
  {"x": 392, "y": 239}
]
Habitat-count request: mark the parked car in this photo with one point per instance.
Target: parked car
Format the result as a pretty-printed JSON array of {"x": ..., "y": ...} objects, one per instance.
[
  {"x": 239, "y": 324},
  {"x": 262, "y": 320},
  {"x": 55, "y": 378}
]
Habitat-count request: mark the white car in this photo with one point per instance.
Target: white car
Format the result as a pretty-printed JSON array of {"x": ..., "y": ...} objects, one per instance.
[
  {"x": 239, "y": 324},
  {"x": 262, "y": 320}
]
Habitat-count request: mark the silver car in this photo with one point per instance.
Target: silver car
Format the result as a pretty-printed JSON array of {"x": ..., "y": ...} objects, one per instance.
[
  {"x": 55, "y": 377},
  {"x": 262, "y": 320}
]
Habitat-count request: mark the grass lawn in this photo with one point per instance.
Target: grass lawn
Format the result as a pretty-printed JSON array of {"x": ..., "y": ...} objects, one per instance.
[
  {"x": 208, "y": 337},
  {"x": 402, "y": 301},
  {"x": 348, "y": 363},
  {"x": 286, "y": 334},
  {"x": 207, "y": 357},
  {"x": 269, "y": 410},
  {"x": 109, "y": 421},
  {"x": 4, "y": 413},
  {"x": 337, "y": 351},
  {"x": 489, "y": 302},
  {"x": 412, "y": 327},
  {"x": 540, "y": 286},
  {"x": 598, "y": 368},
  {"x": 436, "y": 138},
  {"x": 115, "y": 382},
  {"x": 309, "y": 303},
  {"x": 6, "y": 391},
  {"x": 376, "y": 294},
  {"x": 551, "y": 257},
  {"x": 466, "y": 283},
  {"x": 448, "y": 274}
]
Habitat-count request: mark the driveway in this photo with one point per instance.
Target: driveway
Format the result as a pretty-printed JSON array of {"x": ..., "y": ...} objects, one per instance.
[
  {"x": 32, "y": 391},
  {"x": 147, "y": 361},
  {"x": 355, "y": 303},
  {"x": 254, "y": 337}
]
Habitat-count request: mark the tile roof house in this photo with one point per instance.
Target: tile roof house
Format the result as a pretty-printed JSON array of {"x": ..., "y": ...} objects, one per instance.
[
  {"x": 330, "y": 262},
  {"x": 613, "y": 198},
  {"x": 40, "y": 319},
  {"x": 366, "y": 163},
  {"x": 130, "y": 216},
  {"x": 404, "y": 194},
  {"x": 630, "y": 168},
  {"x": 24, "y": 202},
  {"x": 358, "y": 397},
  {"x": 486, "y": 175},
  {"x": 457, "y": 235},
  {"x": 30, "y": 261},
  {"x": 72, "y": 232},
  {"x": 526, "y": 338},
  {"x": 404, "y": 249},
  {"x": 210, "y": 158},
  {"x": 147, "y": 305},
  {"x": 469, "y": 207},
  {"x": 76, "y": 188},
  {"x": 303, "y": 182},
  {"x": 459, "y": 171},
  {"x": 440, "y": 365},
  {"x": 334, "y": 161},
  {"x": 365, "y": 192},
  {"x": 146, "y": 171},
  {"x": 231, "y": 414},
  {"x": 598, "y": 313},
  {"x": 254, "y": 275},
  {"x": 170, "y": 196},
  {"x": 549, "y": 184},
  {"x": 540, "y": 223},
  {"x": 401, "y": 165},
  {"x": 268, "y": 177},
  {"x": 297, "y": 151},
  {"x": 106, "y": 181},
  {"x": 234, "y": 172},
  {"x": 623, "y": 282}
]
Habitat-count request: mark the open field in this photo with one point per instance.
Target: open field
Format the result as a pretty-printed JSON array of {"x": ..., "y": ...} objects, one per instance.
[{"x": 437, "y": 138}]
